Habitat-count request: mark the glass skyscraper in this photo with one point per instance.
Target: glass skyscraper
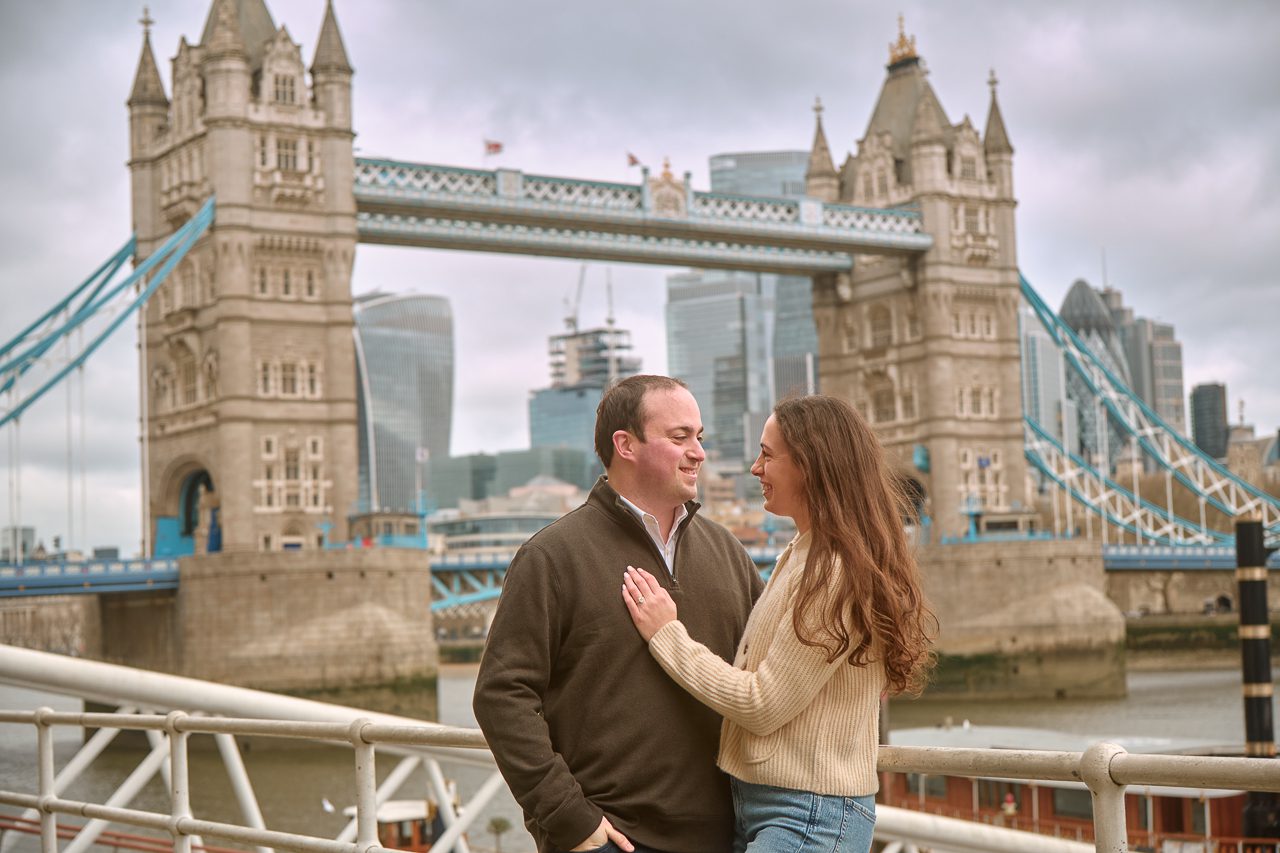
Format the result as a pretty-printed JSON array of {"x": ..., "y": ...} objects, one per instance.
[
  {"x": 1209, "y": 418},
  {"x": 742, "y": 340},
  {"x": 404, "y": 393},
  {"x": 719, "y": 332},
  {"x": 583, "y": 363}
]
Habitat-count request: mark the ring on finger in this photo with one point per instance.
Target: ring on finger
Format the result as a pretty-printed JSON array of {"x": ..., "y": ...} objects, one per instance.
[{"x": 640, "y": 600}]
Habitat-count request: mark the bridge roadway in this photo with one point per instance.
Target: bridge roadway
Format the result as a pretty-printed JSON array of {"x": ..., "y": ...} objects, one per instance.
[
  {"x": 475, "y": 578},
  {"x": 658, "y": 221}
]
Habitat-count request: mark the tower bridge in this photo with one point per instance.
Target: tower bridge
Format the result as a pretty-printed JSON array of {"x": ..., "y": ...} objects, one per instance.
[{"x": 247, "y": 364}]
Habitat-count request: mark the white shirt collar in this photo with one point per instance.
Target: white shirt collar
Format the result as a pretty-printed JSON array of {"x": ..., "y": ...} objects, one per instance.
[{"x": 654, "y": 529}]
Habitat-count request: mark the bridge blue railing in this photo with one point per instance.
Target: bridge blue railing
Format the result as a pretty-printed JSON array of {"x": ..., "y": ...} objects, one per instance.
[
  {"x": 91, "y": 577},
  {"x": 97, "y": 577}
]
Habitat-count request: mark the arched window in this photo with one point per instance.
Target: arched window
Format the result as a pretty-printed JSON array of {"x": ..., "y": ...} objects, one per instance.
[
  {"x": 882, "y": 405},
  {"x": 881, "y": 322},
  {"x": 184, "y": 366}
]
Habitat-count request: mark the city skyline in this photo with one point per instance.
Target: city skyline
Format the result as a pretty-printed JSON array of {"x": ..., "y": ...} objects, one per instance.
[{"x": 1125, "y": 143}]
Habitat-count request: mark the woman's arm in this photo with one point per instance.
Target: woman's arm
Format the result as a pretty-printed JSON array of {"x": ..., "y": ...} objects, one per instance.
[{"x": 789, "y": 677}]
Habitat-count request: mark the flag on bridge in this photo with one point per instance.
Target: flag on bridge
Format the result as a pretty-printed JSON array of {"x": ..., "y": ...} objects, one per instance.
[
  {"x": 492, "y": 147},
  {"x": 632, "y": 160}
]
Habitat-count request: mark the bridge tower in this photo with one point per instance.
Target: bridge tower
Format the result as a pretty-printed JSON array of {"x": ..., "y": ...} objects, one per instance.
[
  {"x": 247, "y": 362},
  {"x": 927, "y": 348}
]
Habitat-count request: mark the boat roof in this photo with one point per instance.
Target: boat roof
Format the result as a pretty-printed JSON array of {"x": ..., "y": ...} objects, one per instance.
[
  {"x": 397, "y": 811},
  {"x": 967, "y": 736}
]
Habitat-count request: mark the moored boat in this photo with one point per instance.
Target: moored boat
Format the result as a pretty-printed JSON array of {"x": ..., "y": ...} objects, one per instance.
[{"x": 1161, "y": 819}]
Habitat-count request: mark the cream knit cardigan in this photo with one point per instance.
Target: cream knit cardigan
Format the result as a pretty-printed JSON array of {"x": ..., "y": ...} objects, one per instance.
[{"x": 791, "y": 719}]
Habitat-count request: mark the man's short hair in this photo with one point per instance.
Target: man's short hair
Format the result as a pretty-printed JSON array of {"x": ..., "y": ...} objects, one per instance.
[{"x": 622, "y": 407}]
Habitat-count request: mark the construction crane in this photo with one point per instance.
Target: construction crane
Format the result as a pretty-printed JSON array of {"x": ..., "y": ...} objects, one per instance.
[{"x": 571, "y": 307}]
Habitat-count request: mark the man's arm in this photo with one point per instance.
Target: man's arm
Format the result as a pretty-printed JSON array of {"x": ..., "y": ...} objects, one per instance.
[{"x": 514, "y": 673}]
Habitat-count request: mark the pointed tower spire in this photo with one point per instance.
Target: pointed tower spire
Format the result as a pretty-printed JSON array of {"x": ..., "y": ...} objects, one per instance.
[
  {"x": 995, "y": 138},
  {"x": 148, "y": 88},
  {"x": 331, "y": 55},
  {"x": 820, "y": 178},
  {"x": 223, "y": 29}
]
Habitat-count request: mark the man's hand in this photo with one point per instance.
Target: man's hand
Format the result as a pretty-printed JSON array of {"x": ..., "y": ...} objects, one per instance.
[
  {"x": 605, "y": 833},
  {"x": 650, "y": 605}
]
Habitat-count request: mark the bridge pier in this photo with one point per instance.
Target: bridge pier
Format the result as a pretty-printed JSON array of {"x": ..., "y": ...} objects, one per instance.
[
  {"x": 1024, "y": 620},
  {"x": 287, "y": 621}
]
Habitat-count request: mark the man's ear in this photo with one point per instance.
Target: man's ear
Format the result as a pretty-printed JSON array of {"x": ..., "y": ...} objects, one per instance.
[{"x": 624, "y": 445}]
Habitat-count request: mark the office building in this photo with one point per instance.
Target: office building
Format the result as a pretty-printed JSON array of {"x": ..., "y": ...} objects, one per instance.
[
  {"x": 478, "y": 476},
  {"x": 1154, "y": 359},
  {"x": 1044, "y": 383},
  {"x": 743, "y": 340},
  {"x": 1209, "y": 427},
  {"x": 1088, "y": 315},
  {"x": 583, "y": 363},
  {"x": 17, "y": 544},
  {"x": 719, "y": 339},
  {"x": 404, "y": 393}
]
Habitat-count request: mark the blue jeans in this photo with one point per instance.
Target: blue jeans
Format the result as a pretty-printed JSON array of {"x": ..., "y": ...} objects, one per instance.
[{"x": 782, "y": 820}]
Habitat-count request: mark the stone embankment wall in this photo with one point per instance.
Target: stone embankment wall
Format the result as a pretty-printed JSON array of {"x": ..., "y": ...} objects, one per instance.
[
  {"x": 1024, "y": 620},
  {"x": 301, "y": 621},
  {"x": 62, "y": 624},
  {"x": 1163, "y": 591}
]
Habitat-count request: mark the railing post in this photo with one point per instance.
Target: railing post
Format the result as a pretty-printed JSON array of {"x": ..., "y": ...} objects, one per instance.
[
  {"x": 366, "y": 786},
  {"x": 179, "y": 782},
  {"x": 44, "y": 748},
  {"x": 1109, "y": 831}
]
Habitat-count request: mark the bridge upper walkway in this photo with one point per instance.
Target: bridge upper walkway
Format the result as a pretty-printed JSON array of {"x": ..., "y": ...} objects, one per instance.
[{"x": 655, "y": 222}]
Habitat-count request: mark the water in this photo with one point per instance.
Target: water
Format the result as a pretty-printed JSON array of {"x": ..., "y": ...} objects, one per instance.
[{"x": 293, "y": 781}]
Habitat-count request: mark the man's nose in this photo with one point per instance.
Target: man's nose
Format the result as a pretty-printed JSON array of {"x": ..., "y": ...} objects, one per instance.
[{"x": 697, "y": 451}]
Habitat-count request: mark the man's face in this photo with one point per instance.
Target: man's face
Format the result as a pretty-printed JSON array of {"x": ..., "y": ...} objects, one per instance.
[{"x": 668, "y": 458}]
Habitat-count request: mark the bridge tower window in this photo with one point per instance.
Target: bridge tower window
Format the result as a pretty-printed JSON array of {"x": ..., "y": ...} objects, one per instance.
[
  {"x": 292, "y": 467},
  {"x": 288, "y": 379},
  {"x": 287, "y": 155},
  {"x": 286, "y": 89},
  {"x": 881, "y": 321},
  {"x": 882, "y": 406},
  {"x": 185, "y": 363}
]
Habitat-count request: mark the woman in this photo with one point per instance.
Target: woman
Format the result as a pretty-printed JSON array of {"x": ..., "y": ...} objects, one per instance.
[{"x": 841, "y": 620}]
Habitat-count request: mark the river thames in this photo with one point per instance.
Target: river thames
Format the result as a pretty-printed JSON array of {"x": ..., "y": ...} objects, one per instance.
[{"x": 294, "y": 782}]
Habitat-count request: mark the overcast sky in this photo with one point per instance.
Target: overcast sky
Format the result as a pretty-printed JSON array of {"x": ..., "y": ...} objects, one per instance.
[{"x": 1146, "y": 129}]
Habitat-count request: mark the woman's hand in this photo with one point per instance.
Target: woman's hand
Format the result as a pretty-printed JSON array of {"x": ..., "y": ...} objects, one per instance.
[{"x": 649, "y": 604}]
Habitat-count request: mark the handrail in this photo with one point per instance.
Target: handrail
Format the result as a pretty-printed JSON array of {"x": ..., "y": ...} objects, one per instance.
[{"x": 1106, "y": 768}]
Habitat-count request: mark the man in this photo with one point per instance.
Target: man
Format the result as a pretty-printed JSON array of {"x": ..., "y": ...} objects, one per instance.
[{"x": 598, "y": 745}]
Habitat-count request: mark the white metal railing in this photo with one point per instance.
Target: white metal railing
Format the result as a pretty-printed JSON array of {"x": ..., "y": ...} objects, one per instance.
[{"x": 1106, "y": 769}]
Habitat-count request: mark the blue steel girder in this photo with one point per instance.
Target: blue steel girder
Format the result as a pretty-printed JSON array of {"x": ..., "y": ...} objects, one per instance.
[
  {"x": 1109, "y": 500},
  {"x": 505, "y": 210},
  {"x": 1205, "y": 477},
  {"x": 494, "y": 566}
]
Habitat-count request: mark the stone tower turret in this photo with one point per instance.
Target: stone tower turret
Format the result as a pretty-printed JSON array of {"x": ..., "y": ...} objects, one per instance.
[
  {"x": 249, "y": 427},
  {"x": 927, "y": 348},
  {"x": 148, "y": 116},
  {"x": 820, "y": 179}
]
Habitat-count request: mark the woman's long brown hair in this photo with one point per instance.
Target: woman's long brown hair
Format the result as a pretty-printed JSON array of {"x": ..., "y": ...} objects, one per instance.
[{"x": 874, "y": 607}]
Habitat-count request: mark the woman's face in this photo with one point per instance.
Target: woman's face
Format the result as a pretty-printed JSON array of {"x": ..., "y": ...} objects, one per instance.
[{"x": 780, "y": 477}]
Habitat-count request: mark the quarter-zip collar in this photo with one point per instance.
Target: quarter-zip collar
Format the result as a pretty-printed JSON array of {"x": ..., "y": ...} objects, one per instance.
[{"x": 605, "y": 498}]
